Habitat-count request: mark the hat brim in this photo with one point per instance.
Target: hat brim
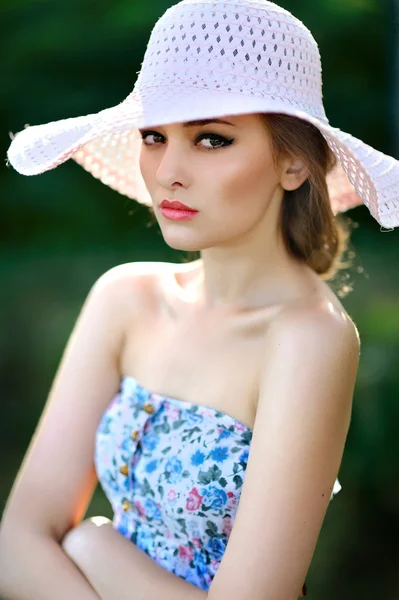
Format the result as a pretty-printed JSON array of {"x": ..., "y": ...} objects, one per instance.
[{"x": 108, "y": 144}]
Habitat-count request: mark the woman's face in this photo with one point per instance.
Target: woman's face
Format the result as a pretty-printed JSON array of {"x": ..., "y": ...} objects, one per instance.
[{"x": 225, "y": 171}]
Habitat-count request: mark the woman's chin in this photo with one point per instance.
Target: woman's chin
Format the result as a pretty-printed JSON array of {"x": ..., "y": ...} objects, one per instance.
[{"x": 182, "y": 244}]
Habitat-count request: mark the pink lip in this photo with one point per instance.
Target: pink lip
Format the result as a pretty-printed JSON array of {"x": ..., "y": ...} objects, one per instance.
[
  {"x": 178, "y": 214},
  {"x": 175, "y": 204}
]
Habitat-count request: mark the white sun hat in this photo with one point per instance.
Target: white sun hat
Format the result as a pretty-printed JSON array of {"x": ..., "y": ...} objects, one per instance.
[{"x": 207, "y": 59}]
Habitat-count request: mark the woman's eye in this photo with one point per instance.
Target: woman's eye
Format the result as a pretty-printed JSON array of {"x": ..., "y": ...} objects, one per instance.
[
  {"x": 221, "y": 141},
  {"x": 213, "y": 137},
  {"x": 146, "y": 134}
]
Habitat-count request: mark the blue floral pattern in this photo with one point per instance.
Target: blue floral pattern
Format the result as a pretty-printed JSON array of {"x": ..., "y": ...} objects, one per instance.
[{"x": 173, "y": 472}]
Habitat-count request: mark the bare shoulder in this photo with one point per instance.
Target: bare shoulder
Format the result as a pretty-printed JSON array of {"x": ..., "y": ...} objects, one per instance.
[
  {"x": 319, "y": 320},
  {"x": 131, "y": 283},
  {"x": 132, "y": 273},
  {"x": 314, "y": 336}
]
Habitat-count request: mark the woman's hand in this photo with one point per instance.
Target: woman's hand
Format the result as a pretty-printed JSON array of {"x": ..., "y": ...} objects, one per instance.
[
  {"x": 110, "y": 562},
  {"x": 117, "y": 568},
  {"x": 96, "y": 548},
  {"x": 80, "y": 541}
]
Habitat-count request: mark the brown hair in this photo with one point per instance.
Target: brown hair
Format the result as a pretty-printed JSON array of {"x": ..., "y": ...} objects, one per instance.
[{"x": 311, "y": 231}]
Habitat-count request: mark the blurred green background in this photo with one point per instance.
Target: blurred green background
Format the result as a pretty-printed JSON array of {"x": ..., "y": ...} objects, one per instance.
[{"x": 60, "y": 231}]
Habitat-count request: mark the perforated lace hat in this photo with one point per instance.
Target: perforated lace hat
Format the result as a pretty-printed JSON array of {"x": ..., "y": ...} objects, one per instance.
[{"x": 207, "y": 59}]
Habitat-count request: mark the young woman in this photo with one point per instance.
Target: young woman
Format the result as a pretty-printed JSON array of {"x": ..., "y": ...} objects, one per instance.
[{"x": 212, "y": 400}]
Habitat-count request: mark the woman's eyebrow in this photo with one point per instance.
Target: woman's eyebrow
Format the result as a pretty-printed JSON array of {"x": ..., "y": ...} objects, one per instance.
[
  {"x": 205, "y": 122},
  {"x": 201, "y": 122}
]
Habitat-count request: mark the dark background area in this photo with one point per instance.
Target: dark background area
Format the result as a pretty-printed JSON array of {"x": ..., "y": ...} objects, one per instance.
[{"x": 61, "y": 230}]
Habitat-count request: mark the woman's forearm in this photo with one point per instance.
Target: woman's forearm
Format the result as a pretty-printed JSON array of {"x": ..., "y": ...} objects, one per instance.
[
  {"x": 35, "y": 567},
  {"x": 117, "y": 568}
]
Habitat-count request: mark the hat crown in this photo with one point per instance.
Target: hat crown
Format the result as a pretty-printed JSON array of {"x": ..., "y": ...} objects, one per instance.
[{"x": 245, "y": 47}]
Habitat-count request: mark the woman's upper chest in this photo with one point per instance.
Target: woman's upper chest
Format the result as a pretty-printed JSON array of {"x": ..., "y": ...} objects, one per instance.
[
  {"x": 212, "y": 357},
  {"x": 209, "y": 358}
]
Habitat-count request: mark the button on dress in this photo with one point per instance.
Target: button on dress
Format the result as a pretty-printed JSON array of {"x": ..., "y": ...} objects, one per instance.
[{"x": 173, "y": 472}]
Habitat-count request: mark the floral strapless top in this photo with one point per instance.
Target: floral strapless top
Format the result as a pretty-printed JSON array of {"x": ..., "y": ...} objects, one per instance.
[{"x": 173, "y": 472}]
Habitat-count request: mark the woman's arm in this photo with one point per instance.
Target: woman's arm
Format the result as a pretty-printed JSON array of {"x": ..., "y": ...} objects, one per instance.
[
  {"x": 33, "y": 566},
  {"x": 118, "y": 569},
  {"x": 306, "y": 384},
  {"x": 57, "y": 477}
]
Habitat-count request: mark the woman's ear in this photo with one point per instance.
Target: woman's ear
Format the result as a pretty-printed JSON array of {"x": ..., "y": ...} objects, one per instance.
[{"x": 294, "y": 172}]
